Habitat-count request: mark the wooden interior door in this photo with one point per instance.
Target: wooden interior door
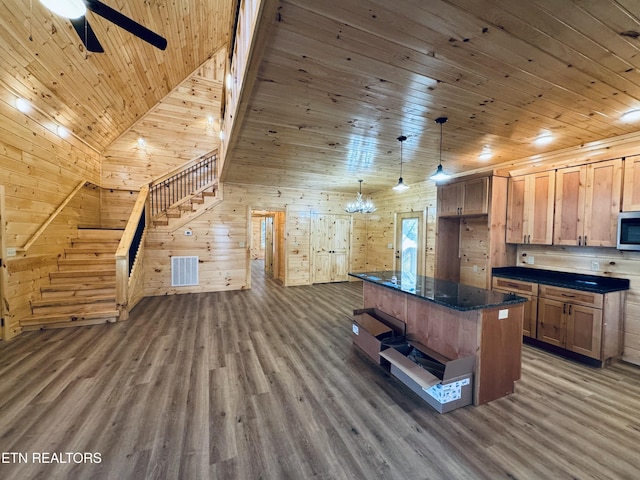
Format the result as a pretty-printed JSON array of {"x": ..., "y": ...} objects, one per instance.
[
  {"x": 341, "y": 239},
  {"x": 331, "y": 241},
  {"x": 268, "y": 245}
]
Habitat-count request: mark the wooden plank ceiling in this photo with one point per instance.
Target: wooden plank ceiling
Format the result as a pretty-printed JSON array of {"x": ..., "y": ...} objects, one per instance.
[
  {"x": 100, "y": 96},
  {"x": 341, "y": 80}
]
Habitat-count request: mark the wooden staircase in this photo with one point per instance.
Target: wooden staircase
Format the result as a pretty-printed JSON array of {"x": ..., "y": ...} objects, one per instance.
[
  {"x": 82, "y": 290},
  {"x": 189, "y": 208}
]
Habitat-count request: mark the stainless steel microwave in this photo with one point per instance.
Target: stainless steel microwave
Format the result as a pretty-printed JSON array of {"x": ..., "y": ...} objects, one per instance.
[{"x": 629, "y": 231}]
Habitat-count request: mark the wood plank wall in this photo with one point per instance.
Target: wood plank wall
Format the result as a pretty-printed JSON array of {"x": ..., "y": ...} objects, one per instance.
[
  {"x": 221, "y": 240},
  {"x": 39, "y": 170},
  {"x": 380, "y": 226}
]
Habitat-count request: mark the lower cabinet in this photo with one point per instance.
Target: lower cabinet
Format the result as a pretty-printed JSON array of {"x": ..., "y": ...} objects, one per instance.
[
  {"x": 587, "y": 323},
  {"x": 528, "y": 290},
  {"x": 573, "y": 320}
]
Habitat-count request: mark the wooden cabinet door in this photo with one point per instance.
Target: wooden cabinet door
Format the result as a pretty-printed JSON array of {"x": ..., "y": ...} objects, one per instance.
[
  {"x": 530, "y": 207},
  {"x": 515, "y": 210},
  {"x": 450, "y": 200},
  {"x": 584, "y": 330},
  {"x": 631, "y": 187},
  {"x": 551, "y": 321},
  {"x": 530, "y": 317},
  {"x": 539, "y": 208},
  {"x": 602, "y": 203},
  {"x": 570, "y": 191},
  {"x": 475, "y": 196}
]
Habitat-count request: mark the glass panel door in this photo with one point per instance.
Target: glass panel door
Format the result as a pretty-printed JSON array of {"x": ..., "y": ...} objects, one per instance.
[{"x": 409, "y": 240}]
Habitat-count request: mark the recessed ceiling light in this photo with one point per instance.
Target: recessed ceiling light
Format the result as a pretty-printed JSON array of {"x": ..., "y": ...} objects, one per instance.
[
  {"x": 631, "y": 116},
  {"x": 543, "y": 139},
  {"x": 486, "y": 154},
  {"x": 23, "y": 105},
  {"x": 67, "y": 9},
  {"x": 62, "y": 132},
  {"x": 141, "y": 142}
]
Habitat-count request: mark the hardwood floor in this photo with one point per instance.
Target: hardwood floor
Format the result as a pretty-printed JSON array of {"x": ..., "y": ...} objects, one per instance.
[{"x": 265, "y": 384}]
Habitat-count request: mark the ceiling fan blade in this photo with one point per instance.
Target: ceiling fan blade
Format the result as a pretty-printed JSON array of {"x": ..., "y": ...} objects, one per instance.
[
  {"x": 86, "y": 34},
  {"x": 126, "y": 23}
]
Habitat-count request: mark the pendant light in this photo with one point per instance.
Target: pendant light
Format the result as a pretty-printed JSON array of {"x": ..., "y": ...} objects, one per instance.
[
  {"x": 360, "y": 205},
  {"x": 440, "y": 174},
  {"x": 401, "y": 186}
]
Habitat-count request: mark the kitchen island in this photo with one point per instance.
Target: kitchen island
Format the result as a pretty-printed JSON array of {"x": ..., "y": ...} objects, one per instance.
[{"x": 455, "y": 320}]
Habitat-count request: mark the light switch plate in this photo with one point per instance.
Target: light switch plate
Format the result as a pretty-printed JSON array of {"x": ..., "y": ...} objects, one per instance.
[
  {"x": 530, "y": 260},
  {"x": 502, "y": 314}
]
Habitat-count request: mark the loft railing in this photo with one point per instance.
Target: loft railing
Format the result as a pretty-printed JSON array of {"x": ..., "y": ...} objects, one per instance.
[{"x": 170, "y": 191}]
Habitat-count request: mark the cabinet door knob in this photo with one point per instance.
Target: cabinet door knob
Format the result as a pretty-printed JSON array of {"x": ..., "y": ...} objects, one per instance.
[
  {"x": 529, "y": 239},
  {"x": 524, "y": 239},
  {"x": 580, "y": 240},
  {"x": 564, "y": 308},
  {"x": 585, "y": 240},
  {"x": 570, "y": 309}
]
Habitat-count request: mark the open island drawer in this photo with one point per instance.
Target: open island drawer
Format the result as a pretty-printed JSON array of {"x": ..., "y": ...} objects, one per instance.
[
  {"x": 443, "y": 383},
  {"x": 371, "y": 327}
]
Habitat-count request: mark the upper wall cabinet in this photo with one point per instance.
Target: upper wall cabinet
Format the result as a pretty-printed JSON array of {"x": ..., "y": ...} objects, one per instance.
[
  {"x": 587, "y": 204},
  {"x": 469, "y": 197},
  {"x": 530, "y": 208},
  {"x": 631, "y": 191}
]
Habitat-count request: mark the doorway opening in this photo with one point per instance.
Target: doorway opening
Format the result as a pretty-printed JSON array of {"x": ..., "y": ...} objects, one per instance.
[{"x": 267, "y": 242}]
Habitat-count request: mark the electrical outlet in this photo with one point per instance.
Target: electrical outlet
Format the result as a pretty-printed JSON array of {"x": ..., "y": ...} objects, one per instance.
[
  {"x": 595, "y": 266},
  {"x": 390, "y": 245},
  {"x": 475, "y": 268},
  {"x": 530, "y": 260},
  {"x": 11, "y": 251}
]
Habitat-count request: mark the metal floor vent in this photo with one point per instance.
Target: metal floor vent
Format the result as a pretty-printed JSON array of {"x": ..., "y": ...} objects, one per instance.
[{"x": 184, "y": 271}]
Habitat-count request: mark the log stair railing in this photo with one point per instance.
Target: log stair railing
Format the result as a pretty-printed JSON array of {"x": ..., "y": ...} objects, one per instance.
[{"x": 82, "y": 291}]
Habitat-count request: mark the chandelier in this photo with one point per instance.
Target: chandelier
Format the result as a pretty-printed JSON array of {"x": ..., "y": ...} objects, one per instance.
[{"x": 360, "y": 205}]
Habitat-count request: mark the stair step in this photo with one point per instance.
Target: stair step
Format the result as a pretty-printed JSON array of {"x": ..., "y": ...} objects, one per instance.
[
  {"x": 92, "y": 243},
  {"x": 100, "y": 234},
  {"x": 186, "y": 207},
  {"x": 98, "y": 275},
  {"x": 43, "y": 322},
  {"x": 199, "y": 199},
  {"x": 84, "y": 264},
  {"x": 173, "y": 213},
  {"x": 78, "y": 289},
  {"x": 90, "y": 252},
  {"x": 72, "y": 300},
  {"x": 161, "y": 221}
]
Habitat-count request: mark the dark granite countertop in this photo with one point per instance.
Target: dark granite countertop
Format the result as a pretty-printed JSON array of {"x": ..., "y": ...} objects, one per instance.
[
  {"x": 443, "y": 292},
  {"x": 588, "y": 283}
]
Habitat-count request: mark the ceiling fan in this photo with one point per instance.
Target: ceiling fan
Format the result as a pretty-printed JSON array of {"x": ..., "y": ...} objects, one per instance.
[{"x": 75, "y": 11}]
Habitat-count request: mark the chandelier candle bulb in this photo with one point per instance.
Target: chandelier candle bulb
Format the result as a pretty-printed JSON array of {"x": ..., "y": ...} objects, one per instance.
[{"x": 360, "y": 205}]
